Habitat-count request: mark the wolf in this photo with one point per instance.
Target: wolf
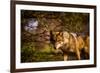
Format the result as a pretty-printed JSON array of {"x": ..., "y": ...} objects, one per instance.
[{"x": 69, "y": 42}]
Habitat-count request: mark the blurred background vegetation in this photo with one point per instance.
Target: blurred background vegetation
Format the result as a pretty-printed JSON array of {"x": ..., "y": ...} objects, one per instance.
[{"x": 35, "y": 32}]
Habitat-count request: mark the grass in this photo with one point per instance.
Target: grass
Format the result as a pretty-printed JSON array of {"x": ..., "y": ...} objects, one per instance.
[
  {"x": 31, "y": 54},
  {"x": 35, "y": 56}
]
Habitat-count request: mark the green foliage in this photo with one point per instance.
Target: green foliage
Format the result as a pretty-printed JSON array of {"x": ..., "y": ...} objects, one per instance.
[
  {"x": 71, "y": 21},
  {"x": 26, "y": 54},
  {"x": 29, "y": 54}
]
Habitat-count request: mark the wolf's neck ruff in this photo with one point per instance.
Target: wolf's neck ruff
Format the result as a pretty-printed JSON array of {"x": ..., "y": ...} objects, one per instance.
[{"x": 75, "y": 38}]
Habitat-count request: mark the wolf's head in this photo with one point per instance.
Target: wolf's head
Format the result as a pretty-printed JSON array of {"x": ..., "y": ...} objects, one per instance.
[{"x": 60, "y": 39}]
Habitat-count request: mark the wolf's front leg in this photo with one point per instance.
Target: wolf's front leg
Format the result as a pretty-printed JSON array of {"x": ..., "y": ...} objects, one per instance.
[
  {"x": 78, "y": 54},
  {"x": 65, "y": 57}
]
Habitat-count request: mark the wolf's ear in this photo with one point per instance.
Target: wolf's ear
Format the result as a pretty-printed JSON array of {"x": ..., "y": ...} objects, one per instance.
[{"x": 61, "y": 33}]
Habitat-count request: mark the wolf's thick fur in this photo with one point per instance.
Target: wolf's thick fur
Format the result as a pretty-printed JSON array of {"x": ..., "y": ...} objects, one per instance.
[{"x": 70, "y": 42}]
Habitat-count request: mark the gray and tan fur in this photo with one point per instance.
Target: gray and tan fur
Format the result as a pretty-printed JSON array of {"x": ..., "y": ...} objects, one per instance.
[{"x": 70, "y": 42}]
